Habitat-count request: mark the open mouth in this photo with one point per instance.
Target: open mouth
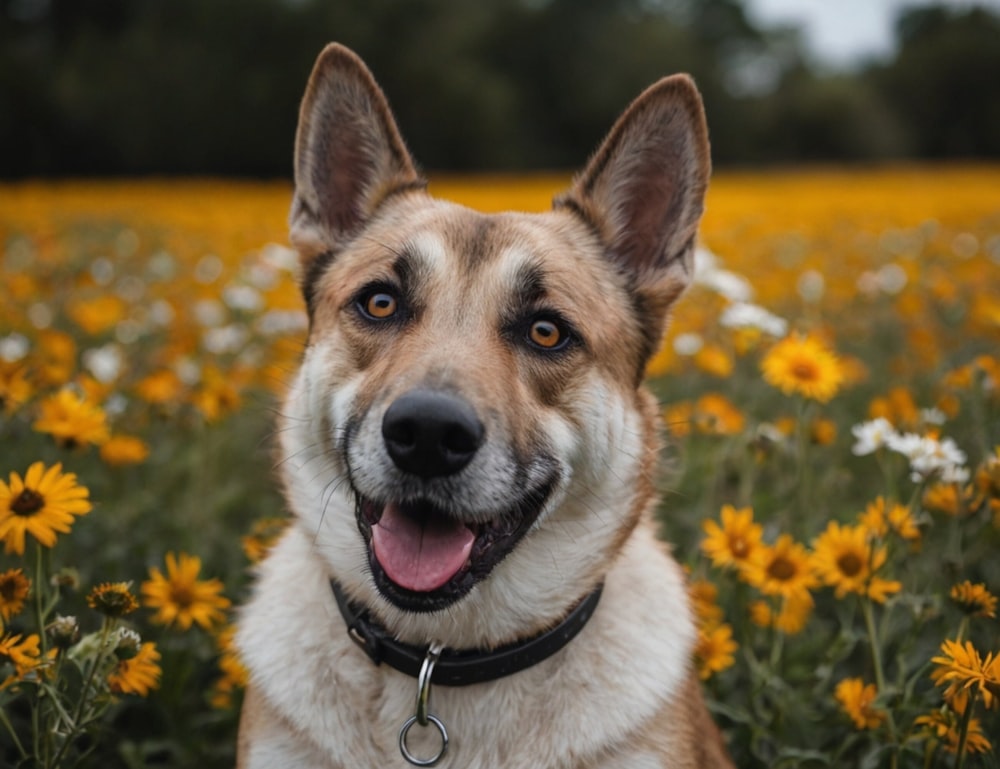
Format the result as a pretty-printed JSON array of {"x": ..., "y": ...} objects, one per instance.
[{"x": 424, "y": 559}]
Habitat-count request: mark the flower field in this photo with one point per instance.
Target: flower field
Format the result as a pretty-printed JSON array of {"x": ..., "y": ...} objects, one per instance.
[{"x": 831, "y": 398}]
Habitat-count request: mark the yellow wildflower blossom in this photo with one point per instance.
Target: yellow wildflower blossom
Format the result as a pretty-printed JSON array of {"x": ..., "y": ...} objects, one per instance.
[
  {"x": 124, "y": 450},
  {"x": 880, "y": 518},
  {"x": 844, "y": 559},
  {"x": 113, "y": 599},
  {"x": 138, "y": 675},
  {"x": 42, "y": 503},
  {"x": 961, "y": 668},
  {"x": 791, "y": 617},
  {"x": 944, "y": 725},
  {"x": 181, "y": 598},
  {"x": 714, "y": 649},
  {"x": 856, "y": 698},
  {"x": 14, "y": 589},
  {"x": 735, "y": 542},
  {"x": 782, "y": 569},
  {"x": 72, "y": 420},
  {"x": 974, "y": 600},
  {"x": 802, "y": 365}
]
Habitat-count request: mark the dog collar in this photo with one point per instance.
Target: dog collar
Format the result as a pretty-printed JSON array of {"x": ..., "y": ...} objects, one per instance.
[{"x": 461, "y": 667}]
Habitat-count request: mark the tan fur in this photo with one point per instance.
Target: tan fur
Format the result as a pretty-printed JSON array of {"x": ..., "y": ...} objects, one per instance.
[{"x": 607, "y": 264}]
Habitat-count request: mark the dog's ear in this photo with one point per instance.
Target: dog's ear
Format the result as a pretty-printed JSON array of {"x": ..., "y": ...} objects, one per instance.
[
  {"x": 349, "y": 154},
  {"x": 643, "y": 192}
]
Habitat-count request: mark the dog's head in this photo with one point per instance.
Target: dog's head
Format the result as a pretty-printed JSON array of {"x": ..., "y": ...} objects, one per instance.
[{"x": 468, "y": 431}]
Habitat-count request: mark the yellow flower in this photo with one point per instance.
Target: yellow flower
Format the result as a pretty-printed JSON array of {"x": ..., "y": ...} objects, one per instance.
[
  {"x": 124, "y": 450},
  {"x": 988, "y": 485},
  {"x": 713, "y": 360},
  {"x": 181, "y": 598},
  {"x": 41, "y": 504},
  {"x": 782, "y": 569},
  {"x": 961, "y": 667},
  {"x": 160, "y": 387},
  {"x": 897, "y": 518},
  {"x": 898, "y": 407},
  {"x": 791, "y": 617},
  {"x": 712, "y": 414},
  {"x": 945, "y": 498},
  {"x": 732, "y": 544},
  {"x": 944, "y": 725},
  {"x": 234, "y": 674},
  {"x": 113, "y": 599},
  {"x": 844, "y": 559},
  {"x": 72, "y": 420},
  {"x": 234, "y": 677},
  {"x": 704, "y": 596},
  {"x": 803, "y": 365},
  {"x": 716, "y": 415},
  {"x": 15, "y": 388},
  {"x": 14, "y": 588},
  {"x": 98, "y": 314},
  {"x": 262, "y": 536},
  {"x": 677, "y": 417},
  {"x": 974, "y": 600},
  {"x": 138, "y": 675},
  {"x": 216, "y": 396},
  {"x": 823, "y": 432},
  {"x": 856, "y": 698},
  {"x": 56, "y": 358},
  {"x": 714, "y": 649},
  {"x": 24, "y": 654}
]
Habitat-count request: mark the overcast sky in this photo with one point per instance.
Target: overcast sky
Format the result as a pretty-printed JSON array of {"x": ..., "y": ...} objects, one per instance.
[{"x": 840, "y": 32}]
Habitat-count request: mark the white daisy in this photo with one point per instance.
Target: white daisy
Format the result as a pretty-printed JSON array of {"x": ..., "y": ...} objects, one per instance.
[{"x": 873, "y": 435}]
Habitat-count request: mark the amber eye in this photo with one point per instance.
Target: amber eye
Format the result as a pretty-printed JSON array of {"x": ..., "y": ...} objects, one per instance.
[
  {"x": 380, "y": 305},
  {"x": 546, "y": 334}
]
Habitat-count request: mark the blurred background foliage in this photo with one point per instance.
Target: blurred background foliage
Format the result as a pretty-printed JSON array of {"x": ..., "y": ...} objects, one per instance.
[{"x": 124, "y": 87}]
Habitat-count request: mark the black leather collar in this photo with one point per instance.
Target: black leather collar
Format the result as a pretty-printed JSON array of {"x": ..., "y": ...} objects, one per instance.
[{"x": 461, "y": 667}]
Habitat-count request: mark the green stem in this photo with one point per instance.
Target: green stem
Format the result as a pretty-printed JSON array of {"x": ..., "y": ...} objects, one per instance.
[
  {"x": 963, "y": 734},
  {"x": 39, "y": 590},
  {"x": 884, "y": 462},
  {"x": 13, "y": 734},
  {"x": 963, "y": 626},
  {"x": 869, "y": 615},
  {"x": 802, "y": 474},
  {"x": 95, "y": 665}
]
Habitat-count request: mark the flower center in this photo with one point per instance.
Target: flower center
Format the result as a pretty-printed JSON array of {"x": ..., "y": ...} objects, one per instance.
[
  {"x": 183, "y": 595},
  {"x": 804, "y": 370},
  {"x": 850, "y": 564},
  {"x": 781, "y": 569},
  {"x": 28, "y": 502},
  {"x": 739, "y": 547},
  {"x": 8, "y": 590}
]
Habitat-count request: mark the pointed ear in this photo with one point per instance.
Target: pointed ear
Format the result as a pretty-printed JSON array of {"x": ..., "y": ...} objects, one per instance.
[
  {"x": 643, "y": 192},
  {"x": 349, "y": 155}
]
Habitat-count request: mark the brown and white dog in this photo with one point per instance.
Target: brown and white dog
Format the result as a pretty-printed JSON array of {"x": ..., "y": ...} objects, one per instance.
[{"x": 470, "y": 453}]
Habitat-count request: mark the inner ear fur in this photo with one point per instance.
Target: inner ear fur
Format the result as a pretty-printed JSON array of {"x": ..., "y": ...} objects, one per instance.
[
  {"x": 349, "y": 154},
  {"x": 643, "y": 192}
]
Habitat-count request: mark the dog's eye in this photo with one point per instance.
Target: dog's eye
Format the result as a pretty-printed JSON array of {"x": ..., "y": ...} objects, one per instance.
[
  {"x": 379, "y": 305},
  {"x": 546, "y": 334}
]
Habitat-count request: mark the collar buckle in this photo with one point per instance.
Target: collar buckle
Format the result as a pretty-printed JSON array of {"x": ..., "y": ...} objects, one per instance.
[{"x": 360, "y": 628}]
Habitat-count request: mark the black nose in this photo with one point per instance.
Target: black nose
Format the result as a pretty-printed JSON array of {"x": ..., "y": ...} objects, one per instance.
[{"x": 429, "y": 433}]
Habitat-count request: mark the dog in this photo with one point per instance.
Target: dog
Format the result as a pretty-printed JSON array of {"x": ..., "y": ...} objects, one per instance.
[{"x": 472, "y": 577}]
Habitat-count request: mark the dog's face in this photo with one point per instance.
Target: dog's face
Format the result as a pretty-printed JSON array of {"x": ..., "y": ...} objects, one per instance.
[{"x": 467, "y": 432}]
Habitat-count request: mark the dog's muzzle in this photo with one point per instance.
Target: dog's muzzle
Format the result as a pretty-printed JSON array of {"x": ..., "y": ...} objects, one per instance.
[{"x": 429, "y": 538}]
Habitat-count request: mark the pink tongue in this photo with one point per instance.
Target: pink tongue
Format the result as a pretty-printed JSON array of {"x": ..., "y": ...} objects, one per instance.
[{"x": 420, "y": 556}]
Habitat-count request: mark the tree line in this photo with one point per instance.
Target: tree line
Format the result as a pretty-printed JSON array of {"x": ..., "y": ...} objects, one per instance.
[{"x": 102, "y": 87}]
